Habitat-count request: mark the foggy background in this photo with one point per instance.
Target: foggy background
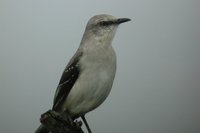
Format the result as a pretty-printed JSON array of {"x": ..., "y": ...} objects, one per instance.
[{"x": 157, "y": 85}]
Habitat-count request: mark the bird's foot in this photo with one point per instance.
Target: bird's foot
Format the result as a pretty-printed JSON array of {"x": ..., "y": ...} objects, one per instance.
[{"x": 78, "y": 123}]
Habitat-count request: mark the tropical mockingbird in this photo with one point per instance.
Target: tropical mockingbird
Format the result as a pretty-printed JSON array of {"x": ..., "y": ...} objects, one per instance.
[{"x": 88, "y": 77}]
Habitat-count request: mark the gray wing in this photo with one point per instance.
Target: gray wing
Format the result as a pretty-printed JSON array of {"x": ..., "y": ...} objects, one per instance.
[{"x": 67, "y": 81}]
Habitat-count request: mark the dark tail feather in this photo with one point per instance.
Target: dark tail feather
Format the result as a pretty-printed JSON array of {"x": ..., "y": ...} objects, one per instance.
[{"x": 42, "y": 129}]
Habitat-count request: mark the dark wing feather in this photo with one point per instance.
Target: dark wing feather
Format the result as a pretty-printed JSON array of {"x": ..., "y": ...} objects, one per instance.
[{"x": 68, "y": 78}]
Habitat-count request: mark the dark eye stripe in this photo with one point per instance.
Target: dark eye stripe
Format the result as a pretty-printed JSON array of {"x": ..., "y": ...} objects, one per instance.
[{"x": 106, "y": 23}]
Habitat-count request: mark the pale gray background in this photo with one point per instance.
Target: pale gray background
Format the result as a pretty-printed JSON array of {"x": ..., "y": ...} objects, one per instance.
[{"x": 157, "y": 86}]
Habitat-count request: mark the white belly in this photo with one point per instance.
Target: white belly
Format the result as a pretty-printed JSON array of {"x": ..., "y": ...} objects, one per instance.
[{"x": 92, "y": 87}]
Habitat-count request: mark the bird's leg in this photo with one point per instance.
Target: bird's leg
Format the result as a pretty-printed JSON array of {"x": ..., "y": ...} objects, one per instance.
[{"x": 86, "y": 124}]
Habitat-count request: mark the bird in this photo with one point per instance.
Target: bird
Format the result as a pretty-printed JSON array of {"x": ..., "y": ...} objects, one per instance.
[{"x": 88, "y": 77}]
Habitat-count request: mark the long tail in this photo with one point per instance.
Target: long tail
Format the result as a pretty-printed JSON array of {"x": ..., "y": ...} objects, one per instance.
[
  {"x": 42, "y": 129},
  {"x": 86, "y": 124}
]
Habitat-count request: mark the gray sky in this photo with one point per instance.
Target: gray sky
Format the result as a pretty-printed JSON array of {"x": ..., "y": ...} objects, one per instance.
[{"x": 157, "y": 86}]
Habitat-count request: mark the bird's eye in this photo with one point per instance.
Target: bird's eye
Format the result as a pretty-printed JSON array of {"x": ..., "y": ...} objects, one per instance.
[{"x": 105, "y": 23}]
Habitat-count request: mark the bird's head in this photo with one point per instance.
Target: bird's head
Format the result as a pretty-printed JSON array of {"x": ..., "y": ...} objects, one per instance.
[{"x": 104, "y": 26}]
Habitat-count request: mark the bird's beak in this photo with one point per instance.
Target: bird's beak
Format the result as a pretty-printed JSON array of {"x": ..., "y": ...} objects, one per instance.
[{"x": 122, "y": 20}]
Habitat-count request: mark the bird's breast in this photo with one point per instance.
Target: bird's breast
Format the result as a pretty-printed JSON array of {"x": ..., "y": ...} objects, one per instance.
[{"x": 93, "y": 85}]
